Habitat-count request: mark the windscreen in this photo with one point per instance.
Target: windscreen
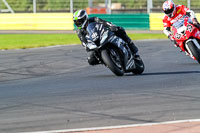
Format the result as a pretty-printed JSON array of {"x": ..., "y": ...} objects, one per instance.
[
  {"x": 93, "y": 31},
  {"x": 179, "y": 23}
]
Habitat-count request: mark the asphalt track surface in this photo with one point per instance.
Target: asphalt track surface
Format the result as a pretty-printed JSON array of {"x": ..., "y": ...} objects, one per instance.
[{"x": 54, "y": 88}]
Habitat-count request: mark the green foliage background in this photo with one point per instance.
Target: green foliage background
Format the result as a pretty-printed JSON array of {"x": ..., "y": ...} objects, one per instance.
[{"x": 64, "y": 5}]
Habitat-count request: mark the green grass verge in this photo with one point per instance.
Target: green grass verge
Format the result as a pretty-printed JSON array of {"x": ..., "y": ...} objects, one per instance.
[
  {"x": 22, "y": 41},
  {"x": 142, "y": 36}
]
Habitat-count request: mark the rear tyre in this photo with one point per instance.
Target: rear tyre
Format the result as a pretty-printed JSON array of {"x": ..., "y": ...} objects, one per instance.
[
  {"x": 139, "y": 66},
  {"x": 112, "y": 63},
  {"x": 195, "y": 51}
]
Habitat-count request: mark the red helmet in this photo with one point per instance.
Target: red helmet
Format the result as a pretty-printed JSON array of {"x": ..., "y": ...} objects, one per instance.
[{"x": 169, "y": 8}]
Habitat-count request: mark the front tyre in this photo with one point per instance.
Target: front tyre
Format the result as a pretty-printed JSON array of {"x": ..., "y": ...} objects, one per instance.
[
  {"x": 112, "y": 61},
  {"x": 194, "y": 50}
]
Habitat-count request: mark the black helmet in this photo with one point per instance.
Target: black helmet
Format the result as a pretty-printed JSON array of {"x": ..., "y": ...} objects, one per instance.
[{"x": 80, "y": 18}]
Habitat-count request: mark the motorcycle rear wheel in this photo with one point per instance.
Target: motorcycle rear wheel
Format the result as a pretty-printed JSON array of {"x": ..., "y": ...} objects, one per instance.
[
  {"x": 110, "y": 63},
  {"x": 139, "y": 66},
  {"x": 195, "y": 51}
]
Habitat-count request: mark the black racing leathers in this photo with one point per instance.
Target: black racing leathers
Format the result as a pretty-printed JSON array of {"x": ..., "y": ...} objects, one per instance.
[{"x": 119, "y": 31}]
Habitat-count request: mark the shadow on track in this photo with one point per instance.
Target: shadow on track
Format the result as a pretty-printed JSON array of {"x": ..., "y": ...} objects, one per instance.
[
  {"x": 165, "y": 73},
  {"x": 172, "y": 73},
  {"x": 146, "y": 74}
]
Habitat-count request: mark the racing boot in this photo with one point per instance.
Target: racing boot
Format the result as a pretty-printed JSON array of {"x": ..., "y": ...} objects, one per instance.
[
  {"x": 134, "y": 50},
  {"x": 122, "y": 34}
]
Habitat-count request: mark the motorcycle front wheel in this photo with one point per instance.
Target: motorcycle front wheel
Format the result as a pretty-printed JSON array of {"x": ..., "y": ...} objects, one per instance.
[
  {"x": 195, "y": 51},
  {"x": 111, "y": 59}
]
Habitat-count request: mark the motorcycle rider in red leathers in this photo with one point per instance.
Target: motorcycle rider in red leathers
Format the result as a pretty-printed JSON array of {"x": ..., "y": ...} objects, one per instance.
[{"x": 173, "y": 13}]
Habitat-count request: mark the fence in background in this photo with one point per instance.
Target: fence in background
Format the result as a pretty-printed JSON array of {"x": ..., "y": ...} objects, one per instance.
[{"x": 111, "y": 6}]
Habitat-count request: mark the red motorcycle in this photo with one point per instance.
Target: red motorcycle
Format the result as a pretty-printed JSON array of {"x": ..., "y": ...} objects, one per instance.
[{"x": 187, "y": 37}]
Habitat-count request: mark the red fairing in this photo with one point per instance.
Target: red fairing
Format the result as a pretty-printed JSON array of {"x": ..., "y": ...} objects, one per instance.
[{"x": 187, "y": 31}]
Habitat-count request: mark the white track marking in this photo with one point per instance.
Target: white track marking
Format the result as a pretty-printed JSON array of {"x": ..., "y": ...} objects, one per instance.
[{"x": 116, "y": 127}]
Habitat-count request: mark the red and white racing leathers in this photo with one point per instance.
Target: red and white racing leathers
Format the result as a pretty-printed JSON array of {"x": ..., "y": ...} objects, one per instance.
[{"x": 180, "y": 11}]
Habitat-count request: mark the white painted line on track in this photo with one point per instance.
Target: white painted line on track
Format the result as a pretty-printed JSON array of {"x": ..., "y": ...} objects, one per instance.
[{"x": 116, "y": 127}]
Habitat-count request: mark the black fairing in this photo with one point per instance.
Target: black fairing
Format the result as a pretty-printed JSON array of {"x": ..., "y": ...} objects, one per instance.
[
  {"x": 93, "y": 32},
  {"x": 97, "y": 33}
]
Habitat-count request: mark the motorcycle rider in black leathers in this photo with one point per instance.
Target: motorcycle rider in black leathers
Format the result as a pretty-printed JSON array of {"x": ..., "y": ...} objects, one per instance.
[{"x": 81, "y": 20}]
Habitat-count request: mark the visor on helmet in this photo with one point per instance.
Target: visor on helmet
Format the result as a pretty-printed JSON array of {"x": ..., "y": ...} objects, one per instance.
[
  {"x": 169, "y": 11},
  {"x": 79, "y": 22}
]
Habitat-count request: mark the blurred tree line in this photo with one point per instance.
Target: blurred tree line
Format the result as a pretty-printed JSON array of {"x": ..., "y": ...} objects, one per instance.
[
  {"x": 42, "y": 5},
  {"x": 64, "y": 5}
]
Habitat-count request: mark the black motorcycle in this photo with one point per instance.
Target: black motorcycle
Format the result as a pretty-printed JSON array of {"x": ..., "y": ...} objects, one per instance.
[{"x": 112, "y": 50}]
